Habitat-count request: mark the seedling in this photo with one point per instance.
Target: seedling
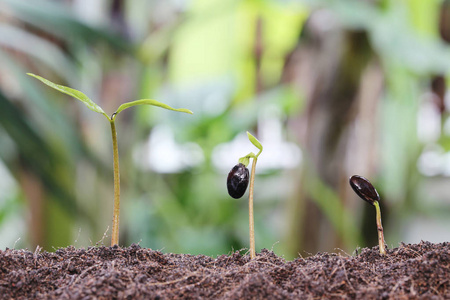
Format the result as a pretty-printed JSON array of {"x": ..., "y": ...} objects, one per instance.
[
  {"x": 365, "y": 190},
  {"x": 237, "y": 182},
  {"x": 94, "y": 107}
]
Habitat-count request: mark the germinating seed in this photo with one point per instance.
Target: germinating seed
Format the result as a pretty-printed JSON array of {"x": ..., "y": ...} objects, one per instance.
[
  {"x": 237, "y": 181},
  {"x": 364, "y": 189}
]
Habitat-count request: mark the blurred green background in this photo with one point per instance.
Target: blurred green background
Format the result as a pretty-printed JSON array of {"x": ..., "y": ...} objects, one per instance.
[{"x": 331, "y": 89}]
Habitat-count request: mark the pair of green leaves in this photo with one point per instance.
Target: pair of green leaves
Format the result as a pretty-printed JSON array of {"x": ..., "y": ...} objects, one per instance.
[
  {"x": 245, "y": 160},
  {"x": 94, "y": 107}
]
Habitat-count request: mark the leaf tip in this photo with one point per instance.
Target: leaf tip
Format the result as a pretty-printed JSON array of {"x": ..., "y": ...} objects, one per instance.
[{"x": 254, "y": 141}]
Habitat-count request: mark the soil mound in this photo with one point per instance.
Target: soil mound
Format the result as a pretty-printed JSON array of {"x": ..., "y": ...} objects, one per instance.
[{"x": 409, "y": 271}]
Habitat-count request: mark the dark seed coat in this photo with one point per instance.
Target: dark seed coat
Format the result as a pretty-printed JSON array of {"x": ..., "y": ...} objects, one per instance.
[
  {"x": 364, "y": 189},
  {"x": 237, "y": 181}
]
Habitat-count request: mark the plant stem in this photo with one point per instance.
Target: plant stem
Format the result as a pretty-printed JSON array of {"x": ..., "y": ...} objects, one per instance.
[
  {"x": 115, "y": 226},
  {"x": 381, "y": 242},
  {"x": 250, "y": 211}
]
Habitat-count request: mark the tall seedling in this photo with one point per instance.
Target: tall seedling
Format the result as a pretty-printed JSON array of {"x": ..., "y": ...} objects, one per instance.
[{"x": 94, "y": 107}]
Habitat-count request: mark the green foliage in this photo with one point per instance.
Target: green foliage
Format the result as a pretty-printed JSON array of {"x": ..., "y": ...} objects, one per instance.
[
  {"x": 94, "y": 107},
  {"x": 255, "y": 142},
  {"x": 37, "y": 153},
  {"x": 152, "y": 103},
  {"x": 245, "y": 160},
  {"x": 41, "y": 142},
  {"x": 72, "y": 92}
]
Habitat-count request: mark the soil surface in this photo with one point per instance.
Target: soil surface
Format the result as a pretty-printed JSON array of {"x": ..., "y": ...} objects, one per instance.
[{"x": 409, "y": 271}]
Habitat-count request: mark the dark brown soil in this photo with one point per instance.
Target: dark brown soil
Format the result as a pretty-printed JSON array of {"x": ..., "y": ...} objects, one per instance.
[{"x": 409, "y": 271}]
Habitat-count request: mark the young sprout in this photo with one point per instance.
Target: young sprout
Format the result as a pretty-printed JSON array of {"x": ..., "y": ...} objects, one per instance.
[
  {"x": 94, "y": 107},
  {"x": 237, "y": 182},
  {"x": 365, "y": 190}
]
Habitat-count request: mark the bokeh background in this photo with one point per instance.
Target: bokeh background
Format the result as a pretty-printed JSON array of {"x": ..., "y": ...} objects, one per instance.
[{"x": 331, "y": 89}]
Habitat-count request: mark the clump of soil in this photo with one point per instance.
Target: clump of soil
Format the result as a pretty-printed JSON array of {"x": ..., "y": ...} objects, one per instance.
[{"x": 409, "y": 271}]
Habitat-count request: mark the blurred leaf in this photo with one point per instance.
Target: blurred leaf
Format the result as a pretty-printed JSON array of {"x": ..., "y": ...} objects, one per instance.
[
  {"x": 424, "y": 16},
  {"x": 48, "y": 118},
  {"x": 330, "y": 204},
  {"x": 153, "y": 103},
  {"x": 35, "y": 153},
  {"x": 58, "y": 18},
  {"x": 282, "y": 24},
  {"x": 400, "y": 144},
  {"x": 17, "y": 39},
  {"x": 444, "y": 141},
  {"x": 419, "y": 53},
  {"x": 9, "y": 206},
  {"x": 74, "y": 93}
]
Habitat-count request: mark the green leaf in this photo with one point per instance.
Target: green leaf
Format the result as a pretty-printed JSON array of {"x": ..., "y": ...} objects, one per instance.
[
  {"x": 72, "y": 92},
  {"x": 245, "y": 160},
  {"x": 151, "y": 102},
  {"x": 255, "y": 142}
]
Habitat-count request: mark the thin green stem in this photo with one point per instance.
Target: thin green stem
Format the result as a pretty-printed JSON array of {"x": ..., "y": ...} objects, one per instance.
[
  {"x": 115, "y": 226},
  {"x": 250, "y": 211},
  {"x": 257, "y": 155},
  {"x": 381, "y": 241}
]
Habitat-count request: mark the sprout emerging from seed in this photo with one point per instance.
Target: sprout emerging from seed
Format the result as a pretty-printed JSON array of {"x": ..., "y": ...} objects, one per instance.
[
  {"x": 237, "y": 182},
  {"x": 365, "y": 190}
]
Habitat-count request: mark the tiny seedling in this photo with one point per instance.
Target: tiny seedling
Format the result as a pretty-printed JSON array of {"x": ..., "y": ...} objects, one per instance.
[
  {"x": 94, "y": 107},
  {"x": 365, "y": 190},
  {"x": 237, "y": 182}
]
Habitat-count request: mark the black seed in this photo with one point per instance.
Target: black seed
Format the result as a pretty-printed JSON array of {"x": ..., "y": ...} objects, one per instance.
[
  {"x": 237, "y": 181},
  {"x": 364, "y": 189}
]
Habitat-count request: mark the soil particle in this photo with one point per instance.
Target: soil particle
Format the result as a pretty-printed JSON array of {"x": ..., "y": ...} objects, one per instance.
[{"x": 410, "y": 271}]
